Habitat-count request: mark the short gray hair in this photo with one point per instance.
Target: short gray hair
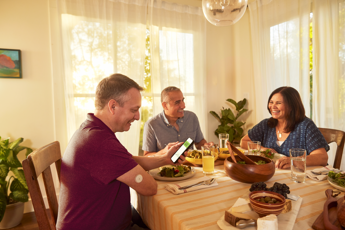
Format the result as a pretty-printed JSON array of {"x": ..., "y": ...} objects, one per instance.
[
  {"x": 114, "y": 87},
  {"x": 166, "y": 91}
]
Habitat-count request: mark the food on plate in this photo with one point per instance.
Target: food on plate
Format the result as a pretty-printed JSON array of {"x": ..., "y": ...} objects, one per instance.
[
  {"x": 259, "y": 162},
  {"x": 174, "y": 171},
  {"x": 338, "y": 178},
  {"x": 267, "y": 153},
  {"x": 282, "y": 189},
  {"x": 195, "y": 157}
]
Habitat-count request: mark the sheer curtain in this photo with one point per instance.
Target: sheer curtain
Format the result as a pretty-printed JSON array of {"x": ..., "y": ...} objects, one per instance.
[
  {"x": 280, "y": 43},
  {"x": 99, "y": 38},
  {"x": 178, "y": 54},
  {"x": 329, "y": 65}
]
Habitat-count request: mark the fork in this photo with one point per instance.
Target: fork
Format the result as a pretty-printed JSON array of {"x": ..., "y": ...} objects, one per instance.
[{"x": 205, "y": 182}]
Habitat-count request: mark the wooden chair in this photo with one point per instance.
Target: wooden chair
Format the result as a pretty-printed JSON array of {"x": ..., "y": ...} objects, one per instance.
[
  {"x": 37, "y": 163},
  {"x": 337, "y": 136}
]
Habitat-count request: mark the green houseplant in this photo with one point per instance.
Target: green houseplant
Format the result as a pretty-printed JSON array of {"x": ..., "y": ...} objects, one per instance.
[
  {"x": 13, "y": 188},
  {"x": 228, "y": 121}
]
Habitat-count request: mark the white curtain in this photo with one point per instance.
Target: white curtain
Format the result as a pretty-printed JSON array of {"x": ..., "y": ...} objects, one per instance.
[
  {"x": 178, "y": 47},
  {"x": 99, "y": 38},
  {"x": 280, "y": 44},
  {"x": 329, "y": 64}
]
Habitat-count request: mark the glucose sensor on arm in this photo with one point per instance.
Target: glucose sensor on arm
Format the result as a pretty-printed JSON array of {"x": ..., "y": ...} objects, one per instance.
[{"x": 139, "y": 178}]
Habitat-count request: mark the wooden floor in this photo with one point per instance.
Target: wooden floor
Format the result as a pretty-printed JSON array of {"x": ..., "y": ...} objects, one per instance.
[{"x": 28, "y": 222}]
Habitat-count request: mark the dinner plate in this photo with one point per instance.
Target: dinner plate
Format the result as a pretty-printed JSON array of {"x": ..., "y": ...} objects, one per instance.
[
  {"x": 277, "y": 156},
  {"x": 335, "y": 185},
  {"x": 155, "y": 174}
]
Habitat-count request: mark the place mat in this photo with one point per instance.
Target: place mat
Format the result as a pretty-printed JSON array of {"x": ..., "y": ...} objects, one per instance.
[
  {"x": 286, "y": 221},
  {"x": 316, "y": 177}
]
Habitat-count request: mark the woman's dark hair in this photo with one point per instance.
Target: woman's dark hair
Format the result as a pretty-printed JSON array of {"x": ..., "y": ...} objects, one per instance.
[{"x": 295, "y": 112}]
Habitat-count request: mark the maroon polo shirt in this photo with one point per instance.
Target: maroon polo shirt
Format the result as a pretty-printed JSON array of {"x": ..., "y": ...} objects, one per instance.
[{"x": 90, "y": 196}]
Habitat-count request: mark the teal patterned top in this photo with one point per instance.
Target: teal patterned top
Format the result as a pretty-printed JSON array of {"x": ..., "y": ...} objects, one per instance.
[{"x": 305, "y": 136}]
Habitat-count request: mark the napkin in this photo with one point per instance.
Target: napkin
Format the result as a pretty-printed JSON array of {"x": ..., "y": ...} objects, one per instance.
[
  {"x": 174, "y": 188},
  {"x": 318, "y": 177}
]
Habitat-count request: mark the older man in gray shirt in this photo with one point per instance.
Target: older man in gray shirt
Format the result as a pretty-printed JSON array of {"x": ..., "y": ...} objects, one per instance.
[{"x": 174, "y": 124}]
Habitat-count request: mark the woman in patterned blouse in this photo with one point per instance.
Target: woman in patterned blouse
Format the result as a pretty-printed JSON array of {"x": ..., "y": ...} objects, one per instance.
[{"x": 288, "y": 128}]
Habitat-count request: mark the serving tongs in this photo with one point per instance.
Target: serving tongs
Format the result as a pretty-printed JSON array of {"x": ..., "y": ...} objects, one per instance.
[{"x": 233, "y": 149}]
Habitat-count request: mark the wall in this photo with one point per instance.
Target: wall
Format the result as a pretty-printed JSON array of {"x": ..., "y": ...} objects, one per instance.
[
  {"x": 229, "y": 70},
  {"x": 27, "y": 106}
]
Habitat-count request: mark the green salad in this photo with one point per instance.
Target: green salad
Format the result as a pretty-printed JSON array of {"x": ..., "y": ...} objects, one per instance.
[
  {"x": 174, "y": 170},
  {"x": 259, "y": 162},
  {"x": 267, "y": 153},
  {"x": 338, "y": 178}
]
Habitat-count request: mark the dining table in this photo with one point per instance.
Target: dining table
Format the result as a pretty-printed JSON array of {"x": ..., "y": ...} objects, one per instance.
[{"x": 201, "y": 209}]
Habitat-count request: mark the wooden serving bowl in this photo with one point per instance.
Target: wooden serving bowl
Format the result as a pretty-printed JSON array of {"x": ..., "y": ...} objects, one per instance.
[
  {"x": 264, "y": 209},
  {"x": 249, "y": 173}
]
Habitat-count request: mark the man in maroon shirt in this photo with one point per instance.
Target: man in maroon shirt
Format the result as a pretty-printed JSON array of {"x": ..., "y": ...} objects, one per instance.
[{"x": 97, "y": 170}]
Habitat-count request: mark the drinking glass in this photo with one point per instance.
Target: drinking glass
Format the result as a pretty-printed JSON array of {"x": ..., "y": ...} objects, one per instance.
[
  {"x": 223, "y": 137},
  {"x": 208, "y": 154},
  {"x": 298, "y": 159},
  {"x": 254, "y": 148}
]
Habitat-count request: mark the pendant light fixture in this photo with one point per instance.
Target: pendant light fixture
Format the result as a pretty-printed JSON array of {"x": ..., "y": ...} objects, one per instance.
[{"x": 224, "y": 12}]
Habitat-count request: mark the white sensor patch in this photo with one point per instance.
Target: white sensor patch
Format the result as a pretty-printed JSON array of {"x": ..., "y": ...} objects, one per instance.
[{"x": 139, "y": 178}]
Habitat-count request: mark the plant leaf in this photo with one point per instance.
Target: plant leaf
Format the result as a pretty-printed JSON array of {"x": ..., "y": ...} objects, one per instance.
[
  {"x": 3, "y": 170},
  {"x": 28, "y": 151},
  {"x": 241, "y": 104},
  {"x": 15, "y": 143},
  {"x": 215, "y": 115},
  {"x": 20, "y": 195},
  {"x": 12, "y": 160},
  {"x": 4, "y": 153},
  {"x": 231, "y": 115},
  {"x": 3, "y": 204},
  {"x": 241, "y": 112},
  {"x": 233, "y": 102},
  {"x": 19, "y": 173},
  {"x": 16, "y": 185},
  {"x": 238, "y": 124}
]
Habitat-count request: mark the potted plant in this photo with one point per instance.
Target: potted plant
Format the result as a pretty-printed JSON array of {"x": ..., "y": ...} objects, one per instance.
[
  {"x": 228, "y": 121},
  {"x": 14, "y": 190}
]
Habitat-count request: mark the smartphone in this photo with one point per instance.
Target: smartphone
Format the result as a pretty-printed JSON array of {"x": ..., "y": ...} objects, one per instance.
[{"x": 181, "y": 150}]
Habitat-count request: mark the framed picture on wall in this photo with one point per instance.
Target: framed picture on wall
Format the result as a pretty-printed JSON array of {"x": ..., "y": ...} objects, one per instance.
[{"x": 10, "y": 63}]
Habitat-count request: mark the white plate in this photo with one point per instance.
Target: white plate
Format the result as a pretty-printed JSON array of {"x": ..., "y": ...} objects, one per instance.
[
  {"x": 335, "y": 185},
  {"x": 277, "y": 156},
  {"x": 155, "y": 174}
]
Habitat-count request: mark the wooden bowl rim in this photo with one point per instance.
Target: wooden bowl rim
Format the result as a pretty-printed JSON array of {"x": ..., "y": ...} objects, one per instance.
[{"x": 281, "y": 197}]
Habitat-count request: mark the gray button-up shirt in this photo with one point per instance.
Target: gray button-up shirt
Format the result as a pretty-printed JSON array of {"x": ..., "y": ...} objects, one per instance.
[{"x": 158, "y": 132}]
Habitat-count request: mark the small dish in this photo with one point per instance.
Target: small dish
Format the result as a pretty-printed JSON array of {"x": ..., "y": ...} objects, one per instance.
[
  {"x": 335, "y": 185},
  {"x": 155, "y": 174},
  {"x": 264, "y": 209}
]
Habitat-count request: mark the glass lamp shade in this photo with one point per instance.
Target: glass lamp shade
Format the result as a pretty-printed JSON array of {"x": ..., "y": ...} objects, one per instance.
[{"x": 224, "y": 12}]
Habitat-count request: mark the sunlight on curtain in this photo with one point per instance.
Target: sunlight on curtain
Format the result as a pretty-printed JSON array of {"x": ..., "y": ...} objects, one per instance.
[
  {"x": 329, "y": 65},
  {"x": 280, "y": 41},
  {"x": 99, "y": 38},
  {"x": 178, "y": 55}
]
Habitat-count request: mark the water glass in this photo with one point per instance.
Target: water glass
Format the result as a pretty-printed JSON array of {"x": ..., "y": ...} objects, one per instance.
[
  {"x": 223, "y": 137},
  {"x": 298, "y": 159},
  {"x": 208, "y": 154},
  {"x": 254, "y": 148}
]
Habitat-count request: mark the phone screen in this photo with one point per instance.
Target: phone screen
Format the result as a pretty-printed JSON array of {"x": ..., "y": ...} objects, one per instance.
[{"x": 181, "y": 150}]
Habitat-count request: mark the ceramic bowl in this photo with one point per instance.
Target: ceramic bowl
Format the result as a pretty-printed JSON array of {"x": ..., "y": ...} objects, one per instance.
[
  {"x": 249, "y": 173},
  {"x": 264, "y": 209}
]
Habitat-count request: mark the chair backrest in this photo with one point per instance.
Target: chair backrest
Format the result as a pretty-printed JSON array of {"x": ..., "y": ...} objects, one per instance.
[
  {"x": 337, "y": 136},
  {"x": 37, "y": 163}
]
